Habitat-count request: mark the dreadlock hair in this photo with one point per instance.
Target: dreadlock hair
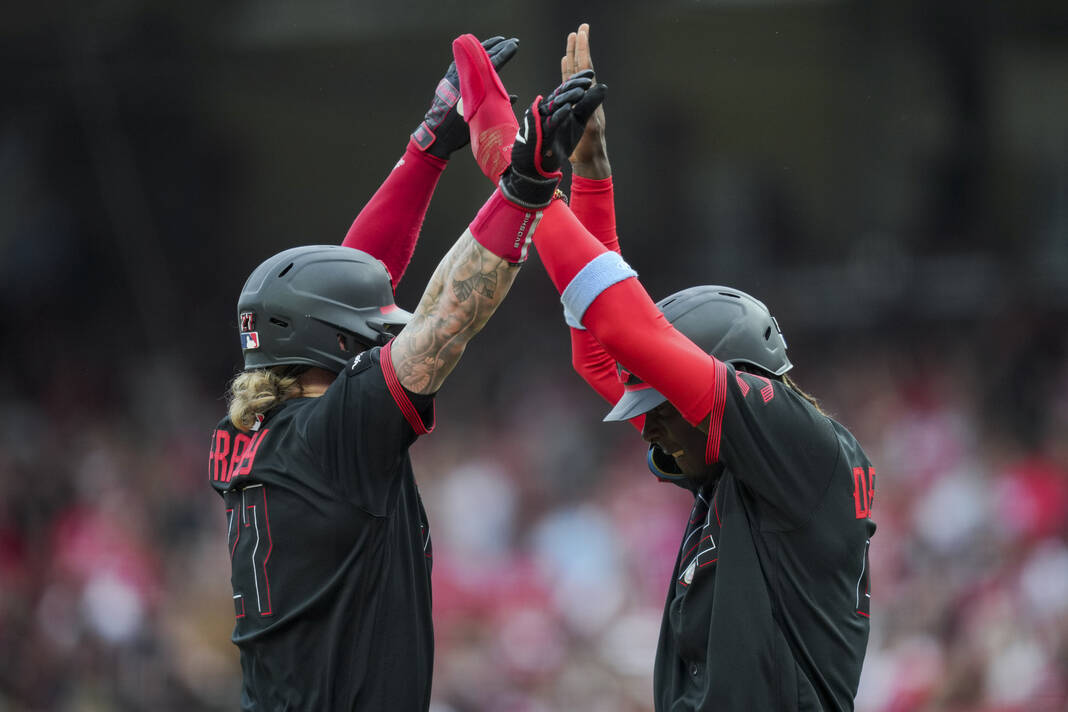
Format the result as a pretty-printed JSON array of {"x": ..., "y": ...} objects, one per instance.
[{"x": 785, "y": 380}]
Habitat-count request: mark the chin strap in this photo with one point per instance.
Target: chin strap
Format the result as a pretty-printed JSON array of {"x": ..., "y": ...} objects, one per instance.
[{"x": 663, "y": 466}]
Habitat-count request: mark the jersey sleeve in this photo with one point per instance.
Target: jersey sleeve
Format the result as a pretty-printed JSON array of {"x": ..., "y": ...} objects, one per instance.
[
  {"x": 775, "y": 442},
  {"x": 361, "y": 428}
]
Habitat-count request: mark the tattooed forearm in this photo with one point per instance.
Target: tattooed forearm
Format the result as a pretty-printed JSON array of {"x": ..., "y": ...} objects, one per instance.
[
  {"x": 447, "y": 317},
  {"x": 482, "y": 283}
]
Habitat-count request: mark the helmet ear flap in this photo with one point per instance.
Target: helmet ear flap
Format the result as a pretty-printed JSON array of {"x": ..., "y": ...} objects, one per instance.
[{"x": 662, "y": 465}]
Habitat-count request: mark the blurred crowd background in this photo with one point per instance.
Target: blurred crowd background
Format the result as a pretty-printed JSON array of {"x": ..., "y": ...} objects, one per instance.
[{"x": 890, "y": 176}]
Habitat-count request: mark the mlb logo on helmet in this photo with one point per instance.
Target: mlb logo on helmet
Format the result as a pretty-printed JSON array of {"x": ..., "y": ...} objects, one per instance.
[{"x": 249, "y": 338}]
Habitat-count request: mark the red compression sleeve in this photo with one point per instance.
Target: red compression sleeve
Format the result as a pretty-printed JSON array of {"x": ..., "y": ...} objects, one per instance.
[
  {"x": 388, "y": 226},
  {"x": 566, "y": 247},
  {"x": 627, "y": 323},
  {"x": 593, "y": 203},
  {"x": 598, "y": 368}
]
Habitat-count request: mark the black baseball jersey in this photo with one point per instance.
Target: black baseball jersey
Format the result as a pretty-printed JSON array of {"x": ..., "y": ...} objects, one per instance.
[
  {"x": 330, "y": 547},
  {"x": 769, "y": 605}
]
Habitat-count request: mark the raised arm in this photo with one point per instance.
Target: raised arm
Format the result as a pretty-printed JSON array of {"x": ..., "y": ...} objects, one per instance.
[
  {"x": 603, "y": 294},
  {"x": 388, "y": 226},
  {"x": 590, "y": 157},
  {"x": 593, "y": 203},
  {"x": 468, "y": 285},
  {"x": 476, "y": 274}
]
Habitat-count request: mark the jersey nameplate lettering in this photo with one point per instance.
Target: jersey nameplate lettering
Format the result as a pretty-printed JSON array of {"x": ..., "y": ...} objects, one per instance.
[{"x": 226, "y": 462}]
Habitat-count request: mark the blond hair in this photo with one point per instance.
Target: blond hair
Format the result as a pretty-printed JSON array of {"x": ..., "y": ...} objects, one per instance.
[{"x": 255, "y": 392}]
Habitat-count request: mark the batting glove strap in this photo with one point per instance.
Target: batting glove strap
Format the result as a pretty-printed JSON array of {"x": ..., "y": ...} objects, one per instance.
[
  {"x": 599, "y": 274},
  {"x": 442, "y": 130},
  {"x": 526, "y": 191},
  {"x": 505, "y": 228}
]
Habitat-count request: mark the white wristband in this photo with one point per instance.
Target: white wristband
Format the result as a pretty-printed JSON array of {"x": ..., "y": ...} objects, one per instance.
[
  {"x": 572, "y": 321},
  {"x": 599, "y": 274}
]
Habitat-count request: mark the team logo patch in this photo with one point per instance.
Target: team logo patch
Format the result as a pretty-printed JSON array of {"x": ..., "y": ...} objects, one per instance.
[
  {"x": 248, "y": 322},
  {"x": 250, "y": 340},
  {"x": 360, "y": 363}
]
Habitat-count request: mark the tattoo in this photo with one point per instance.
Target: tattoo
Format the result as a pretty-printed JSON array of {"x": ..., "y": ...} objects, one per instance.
[
  {"x": 484, "y": 284},
  {"x": 429, "y": 347}
]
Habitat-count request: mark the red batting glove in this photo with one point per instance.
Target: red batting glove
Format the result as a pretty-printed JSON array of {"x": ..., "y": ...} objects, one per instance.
[{"x": 486, "y": 107}]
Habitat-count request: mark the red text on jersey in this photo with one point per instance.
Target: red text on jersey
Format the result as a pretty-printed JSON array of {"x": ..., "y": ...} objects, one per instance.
[
  {"x": 863, "y": 491},
  {"x": 229, "y": 460}
]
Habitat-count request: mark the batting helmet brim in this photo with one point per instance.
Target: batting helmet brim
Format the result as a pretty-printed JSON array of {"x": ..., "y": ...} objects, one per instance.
[{"x": 634, "y": 403}]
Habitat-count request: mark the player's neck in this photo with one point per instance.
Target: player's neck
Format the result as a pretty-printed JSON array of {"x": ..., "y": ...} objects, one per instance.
[{"x": 315, "y": 381}]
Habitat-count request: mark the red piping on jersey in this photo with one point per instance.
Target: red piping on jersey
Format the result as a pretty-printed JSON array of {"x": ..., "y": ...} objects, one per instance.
[
  {"x": 706, "y": 538},
  {"x": 715, "y": 422},
  {"x": 399, "y": 396},
  {"x": 691, "y": 549}
]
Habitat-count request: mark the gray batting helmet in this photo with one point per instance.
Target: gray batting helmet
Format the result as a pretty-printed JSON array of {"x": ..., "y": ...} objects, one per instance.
[
  {"x": 297, "y": 306},
  {"x": 727, "y": 323}
]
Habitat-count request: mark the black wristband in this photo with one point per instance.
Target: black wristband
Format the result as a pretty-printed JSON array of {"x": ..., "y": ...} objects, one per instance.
[{"x": 527, "y": 192}]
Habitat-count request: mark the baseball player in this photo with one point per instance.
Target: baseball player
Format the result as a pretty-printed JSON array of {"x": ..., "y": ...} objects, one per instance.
[
  {"x": 328, "y": 540},
  {"x": 769, "y": 603}
]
